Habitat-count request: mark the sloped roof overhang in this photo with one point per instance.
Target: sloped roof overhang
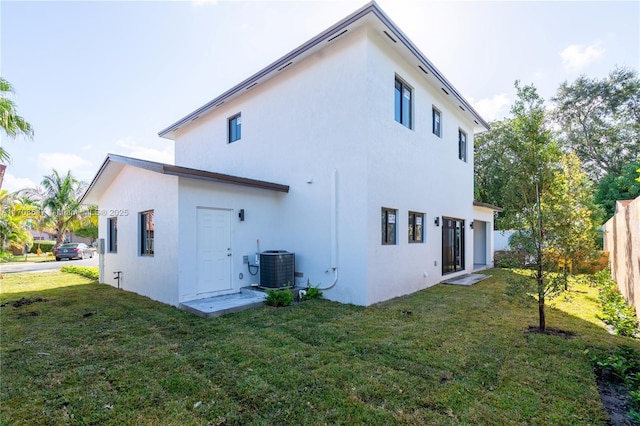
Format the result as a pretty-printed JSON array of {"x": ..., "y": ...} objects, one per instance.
[
  {"x": 113, "y": 164},
  {"x": 370, "y": 14}
]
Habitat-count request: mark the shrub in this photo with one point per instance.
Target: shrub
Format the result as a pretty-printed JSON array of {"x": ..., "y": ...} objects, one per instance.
[
  {"x": 5, "y": 256},
  {"x": 509, "y": 259},
  {"x": 615, "y": 310},
  {"x": 85, "y": 271},
  {"x": 279, "y": 297},
  {"x": 312, "y": 293},
  {"x": 45, "y": 245}
]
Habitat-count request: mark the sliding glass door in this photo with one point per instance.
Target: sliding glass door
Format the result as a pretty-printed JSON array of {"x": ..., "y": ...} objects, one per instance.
[{"x": 452, "y": 245}]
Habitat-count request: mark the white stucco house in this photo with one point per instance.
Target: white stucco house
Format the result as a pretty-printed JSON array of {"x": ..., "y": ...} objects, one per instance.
[{"x": 352, "y": 151}]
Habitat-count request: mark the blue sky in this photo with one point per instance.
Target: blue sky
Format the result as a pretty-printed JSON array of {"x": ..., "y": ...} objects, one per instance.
[{"x": 105, "y": 76}]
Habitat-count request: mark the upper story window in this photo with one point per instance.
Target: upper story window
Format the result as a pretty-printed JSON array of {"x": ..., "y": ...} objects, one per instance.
[
  {"x": 403, "y": 105},
  {"x": 235, "y": 128},
  {"x": 147, "y": 231},
  {"x": 436, "y": 117},
  {"x": 462, "y": 146},
  {"x": 388, "y": 226},
  {"x": 415, "y": 227},
  {"x": 112, "y": 235}
]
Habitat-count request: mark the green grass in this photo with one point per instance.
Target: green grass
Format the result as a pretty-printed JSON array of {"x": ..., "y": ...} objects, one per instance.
[{"x": 91, "y": 354}]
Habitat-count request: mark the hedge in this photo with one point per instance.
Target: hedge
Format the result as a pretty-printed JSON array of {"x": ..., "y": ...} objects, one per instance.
[{"x": 45, "y": 245}]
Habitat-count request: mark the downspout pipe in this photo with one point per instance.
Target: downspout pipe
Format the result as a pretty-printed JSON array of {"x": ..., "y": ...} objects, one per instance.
[{"x": 334, "y": 228}]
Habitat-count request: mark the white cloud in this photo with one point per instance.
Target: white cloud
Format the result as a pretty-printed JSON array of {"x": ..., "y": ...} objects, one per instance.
[
  {"x": 577, "y": 56},
  {"x": 13, "y": 184},
  {"x": 142, "y": 151},
  {"x": 62, "y": 162},
  {"x": 494, "y": 108}
]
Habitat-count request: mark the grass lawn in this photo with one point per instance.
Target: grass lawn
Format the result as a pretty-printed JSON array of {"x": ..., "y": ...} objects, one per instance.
[{"x": 85, "y": 353}]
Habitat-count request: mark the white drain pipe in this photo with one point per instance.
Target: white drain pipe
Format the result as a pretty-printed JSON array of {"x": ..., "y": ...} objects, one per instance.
[{"x": 334, "y": 228}]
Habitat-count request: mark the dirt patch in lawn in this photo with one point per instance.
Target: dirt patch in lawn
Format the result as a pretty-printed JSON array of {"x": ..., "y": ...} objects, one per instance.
[
  {"x": 24, "y": 302},
  {"x": 615, "y": 399},
  {"x": 551, "y": 332}
]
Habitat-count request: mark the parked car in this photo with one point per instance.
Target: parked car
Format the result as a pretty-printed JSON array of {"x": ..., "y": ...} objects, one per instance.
[{"x": 72, "y": 251}]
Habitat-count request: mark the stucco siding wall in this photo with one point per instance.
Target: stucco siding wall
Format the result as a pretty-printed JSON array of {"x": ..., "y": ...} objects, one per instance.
[
  {"x": 622, "y": 240},
  {"x": 135, "y": 190},
  {"x": 332, "y": 114},
  {"x": 297, "y": 129},
  {"x": 412, "y": 170},
  {"x": 261, "y": 223}
]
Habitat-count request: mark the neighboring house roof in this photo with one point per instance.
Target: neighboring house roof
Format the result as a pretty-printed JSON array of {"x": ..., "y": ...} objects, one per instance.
[
  {"x": 370, "y": 14},
  {"x": 489, "y": 206},
  {"x": 113, "y": 164}
]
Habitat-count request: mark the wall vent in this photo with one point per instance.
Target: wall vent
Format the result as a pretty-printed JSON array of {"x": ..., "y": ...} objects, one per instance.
[
  {"x": 460, "y": 106},
  {"x": 392, "y": 39},
  {"x": 249, "y": 87},
  {"x": 423, "y": 70},
  {"x": 219, "y": 104},
  {"x": 336, "y": 36},
  {"x": 444, "y": 90},
  {"x": 284, "y": 66}
]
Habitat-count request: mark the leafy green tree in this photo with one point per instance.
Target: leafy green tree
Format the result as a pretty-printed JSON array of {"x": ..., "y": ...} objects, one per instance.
[
  {"x": 14, "y": 216},
  {"x": 534, "y": 157},
  {"x": 87, "y": 225},
  {"x": 59, "y": 197},
  {"x": 614, "y": 187},
  {"x": 600, "y": 121},
  {"x": 571, "y": 230},
  {"x": 492, "y": 167}
]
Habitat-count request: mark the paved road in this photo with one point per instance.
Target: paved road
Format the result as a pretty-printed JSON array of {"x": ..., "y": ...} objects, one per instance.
[{"x": 46, "y": 266}]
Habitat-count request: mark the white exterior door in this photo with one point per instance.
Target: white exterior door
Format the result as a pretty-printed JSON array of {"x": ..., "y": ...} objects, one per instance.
[{"x": 213, "y": 250}]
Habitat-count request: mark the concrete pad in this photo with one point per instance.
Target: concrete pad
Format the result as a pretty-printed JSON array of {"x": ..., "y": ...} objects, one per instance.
[
  {"x": 221, "y": 305},
  {"x": 468, "y": 279}
]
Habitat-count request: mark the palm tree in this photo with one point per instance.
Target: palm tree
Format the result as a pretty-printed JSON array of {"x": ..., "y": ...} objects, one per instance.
[
  {"x": 11, "y": 123},
  {"x": 60, "y": 200}
]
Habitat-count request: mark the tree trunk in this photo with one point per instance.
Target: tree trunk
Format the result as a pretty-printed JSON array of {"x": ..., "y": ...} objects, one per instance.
[{"x": 541, "y": 314}]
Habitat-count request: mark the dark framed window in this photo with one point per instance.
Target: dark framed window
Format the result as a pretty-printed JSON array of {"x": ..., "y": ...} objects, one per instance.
[
  {"x": 235, "y": 128},
  {"x": 416, "y": 230},
  {"x": 462, "y": 146},
  {"x": 112, "y": 235},
  {"x": 436, "y": 118},
  {"x": 388, "y": 226},
  {"x": 147, "y": 230},
  {"x": 403, "y": 95}
]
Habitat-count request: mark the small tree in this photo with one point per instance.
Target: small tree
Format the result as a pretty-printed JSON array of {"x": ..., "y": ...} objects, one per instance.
[{"x": 533, "y": 163}]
